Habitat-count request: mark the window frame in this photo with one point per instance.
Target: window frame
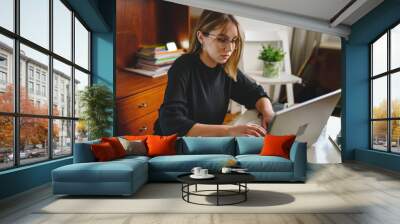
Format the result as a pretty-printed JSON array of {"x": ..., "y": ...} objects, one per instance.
[
  {"x": 16, "y": 114},
  {"x": 388, "y": 74}
]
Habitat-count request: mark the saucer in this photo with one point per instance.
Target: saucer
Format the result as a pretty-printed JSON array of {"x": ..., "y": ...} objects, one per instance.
[{"x": 208, "y": 176}]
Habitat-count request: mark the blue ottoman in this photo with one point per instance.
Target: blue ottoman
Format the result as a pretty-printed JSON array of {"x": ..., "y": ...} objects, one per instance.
[{"x": 118, "y": 177}]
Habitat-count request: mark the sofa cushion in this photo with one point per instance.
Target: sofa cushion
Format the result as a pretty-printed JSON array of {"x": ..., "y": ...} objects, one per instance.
[
  {"x": 277, "y": 145},
  {"x": 132, "y": 158},
  {"x": 257, "y": 163},
  {"x": 249, "y": 145},
  {"x": 161, "y": 145},
  {"x": 103, "y": 152},
  {"x": 111, "y": 171},
  {"x": 134, "y": 147},
  {"x": 207, "y": 145},
  {"x": 135, "y": 137},
  {"x": 116, "y": 145},
  {"x": 83, "y": 152},
  {"x": 185, "y": 163}
]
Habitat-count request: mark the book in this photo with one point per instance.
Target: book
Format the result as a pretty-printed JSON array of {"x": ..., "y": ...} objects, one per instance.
[
  {"x": 144, "y": 72},
  {"x": 153, "y": 47},
  {"x": 153, "y": 67},
  {"x": 160, "y": 55},
  {"x": 160, "y": 62},
  {"x": 158, "y": 58}
]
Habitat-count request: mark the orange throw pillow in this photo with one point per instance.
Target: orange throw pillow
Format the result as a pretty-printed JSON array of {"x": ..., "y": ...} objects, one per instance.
[
  {"x": 277, "y": 145},
  {"x": 103, "y": 151},
  {"x": 161, "y": 145},
  {"x": 135, "y": 137},
  {"x": 116, "y": 145}
]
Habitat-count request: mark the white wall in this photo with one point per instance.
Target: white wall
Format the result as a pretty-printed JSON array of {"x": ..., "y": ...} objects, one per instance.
[{"x": 263, "y": 27}]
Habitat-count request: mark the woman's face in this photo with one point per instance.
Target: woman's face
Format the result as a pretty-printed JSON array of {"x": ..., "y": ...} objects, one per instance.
[{"x": 220, "y": 44}]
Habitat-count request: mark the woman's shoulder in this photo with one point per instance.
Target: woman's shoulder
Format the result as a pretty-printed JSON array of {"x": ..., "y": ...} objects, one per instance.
[
  {"x": 182, "y": 65},
  {"x": 185, "y": 60}
]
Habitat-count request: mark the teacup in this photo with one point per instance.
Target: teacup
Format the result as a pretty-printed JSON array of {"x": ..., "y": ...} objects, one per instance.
[
  {"x": 196, "y": 170},
  {"x": 203, "y": 172},
  {"x": 226, "y": 170}
]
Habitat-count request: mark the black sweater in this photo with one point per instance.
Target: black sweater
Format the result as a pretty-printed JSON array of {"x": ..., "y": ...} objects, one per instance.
[{"x": 197, "y": 93}]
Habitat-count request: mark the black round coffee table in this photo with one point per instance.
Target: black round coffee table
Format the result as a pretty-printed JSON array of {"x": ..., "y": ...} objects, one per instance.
[{"x": 238, "y": 179}]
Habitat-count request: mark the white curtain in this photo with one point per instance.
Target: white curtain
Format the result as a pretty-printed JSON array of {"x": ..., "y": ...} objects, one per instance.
[{"x": 303, "y": 44}]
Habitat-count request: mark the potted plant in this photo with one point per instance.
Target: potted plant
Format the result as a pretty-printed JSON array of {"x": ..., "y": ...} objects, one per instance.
[
  {"x": 96, "y": 102},
  {"x": 272, "y": 58}
]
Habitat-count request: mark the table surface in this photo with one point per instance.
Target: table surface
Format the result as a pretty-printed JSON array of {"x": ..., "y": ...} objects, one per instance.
[
  {"x": 220, "y": 178},
  {"x": 284, "y": 78}
]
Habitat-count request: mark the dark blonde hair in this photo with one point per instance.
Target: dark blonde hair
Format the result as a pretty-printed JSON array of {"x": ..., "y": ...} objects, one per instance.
[{"x": 210, "y": 21}]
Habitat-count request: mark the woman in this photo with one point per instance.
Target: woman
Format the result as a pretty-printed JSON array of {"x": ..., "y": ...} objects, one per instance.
[{"x": 201, "y": 83}]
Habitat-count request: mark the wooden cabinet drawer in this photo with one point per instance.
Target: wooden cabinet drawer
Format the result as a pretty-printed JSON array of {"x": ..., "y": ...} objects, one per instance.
[
  {"x": 138, "y": 105},
  {"x": 140, "y": 126}
]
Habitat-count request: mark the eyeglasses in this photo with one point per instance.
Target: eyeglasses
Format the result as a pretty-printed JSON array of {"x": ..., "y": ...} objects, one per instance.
[{"x": 223, "y": 41}]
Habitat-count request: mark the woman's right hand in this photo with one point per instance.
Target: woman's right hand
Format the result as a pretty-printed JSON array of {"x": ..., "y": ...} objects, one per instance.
[{"x": 247, "y": 130}]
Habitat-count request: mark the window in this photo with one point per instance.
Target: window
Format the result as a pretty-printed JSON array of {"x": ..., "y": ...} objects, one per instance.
[
  {"x": 3, "y": 61},
  {"x": 81, "y": 81},
  {"x": 62, "y": 130},
  {"x": 62, "y": 75},
  {"x": 62, "y": 31},
  {"x": 43, "y": 90},
  {"x": 30, "y": 72},
  {"x": 37, "y": 74},
  {"x": 7, "y": 86},
  {"x": 385, "y": 97},
  {"x": 81, "y": 45},
  {"x": 3, "y": 71},
  {"x": 7, "y": 14},
  {"x": 3, "y": 78},
  {"x": 30, "y": 87},
  {"x": 38, "y": 89},
  {"x": 34, "y": 25},
  {"x": 45, "y": 131}
]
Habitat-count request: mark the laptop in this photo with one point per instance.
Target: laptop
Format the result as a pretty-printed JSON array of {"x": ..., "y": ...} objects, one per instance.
[{"x": 306, "y": 120}]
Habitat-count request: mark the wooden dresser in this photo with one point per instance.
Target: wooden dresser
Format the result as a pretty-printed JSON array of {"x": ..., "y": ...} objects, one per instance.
[{"x": 138, "y": 98}]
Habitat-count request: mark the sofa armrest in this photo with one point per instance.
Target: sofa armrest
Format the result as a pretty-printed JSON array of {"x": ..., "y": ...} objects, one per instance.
[
  {"x": 83, "y": 152},
  {"x": 298, "y": 155}
]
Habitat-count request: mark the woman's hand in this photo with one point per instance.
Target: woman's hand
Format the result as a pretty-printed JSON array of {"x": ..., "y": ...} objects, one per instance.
[
  {"x": 264, "y": 107},
  {"x": 247, "y": 130},
  {"x": 266, "y": 119}
]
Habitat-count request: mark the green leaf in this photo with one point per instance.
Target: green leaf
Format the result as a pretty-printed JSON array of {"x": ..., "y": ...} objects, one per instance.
[
  {"x": 271, "y": 54},
  {"x": 97, "y": 103}
]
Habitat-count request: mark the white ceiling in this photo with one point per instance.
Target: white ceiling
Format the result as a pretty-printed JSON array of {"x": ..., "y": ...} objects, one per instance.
[
  {"x": 307, "y": 14},
  {"x": 319, "y": 9}
]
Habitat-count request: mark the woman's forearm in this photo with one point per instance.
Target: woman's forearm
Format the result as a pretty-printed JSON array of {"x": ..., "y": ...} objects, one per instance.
[
  {"x": 209, "y": 130},
  {"x": 264, "y": 106}
]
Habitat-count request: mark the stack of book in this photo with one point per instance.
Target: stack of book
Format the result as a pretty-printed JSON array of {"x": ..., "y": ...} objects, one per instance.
[{"x": 154, "y": 60}]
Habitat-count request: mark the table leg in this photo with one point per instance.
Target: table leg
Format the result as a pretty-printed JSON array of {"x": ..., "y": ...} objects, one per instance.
[
  {"x": 217, "y": 194},
  {"x": 245, "y": 192},
  {"x": 267, "y": 89},
  {"x": 195, "y": 189},
  {"x": 277, "y": 92},
  {"x": 188, "y": 190},
  {"x": 289, "y": 93}
]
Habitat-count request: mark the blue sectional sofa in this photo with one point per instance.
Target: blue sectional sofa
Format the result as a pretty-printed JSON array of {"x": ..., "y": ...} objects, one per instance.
[{"x": 125, "y": 176}]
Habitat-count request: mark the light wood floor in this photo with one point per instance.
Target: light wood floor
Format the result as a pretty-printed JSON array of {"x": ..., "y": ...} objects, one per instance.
[{"x": 378, "y": 188}]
